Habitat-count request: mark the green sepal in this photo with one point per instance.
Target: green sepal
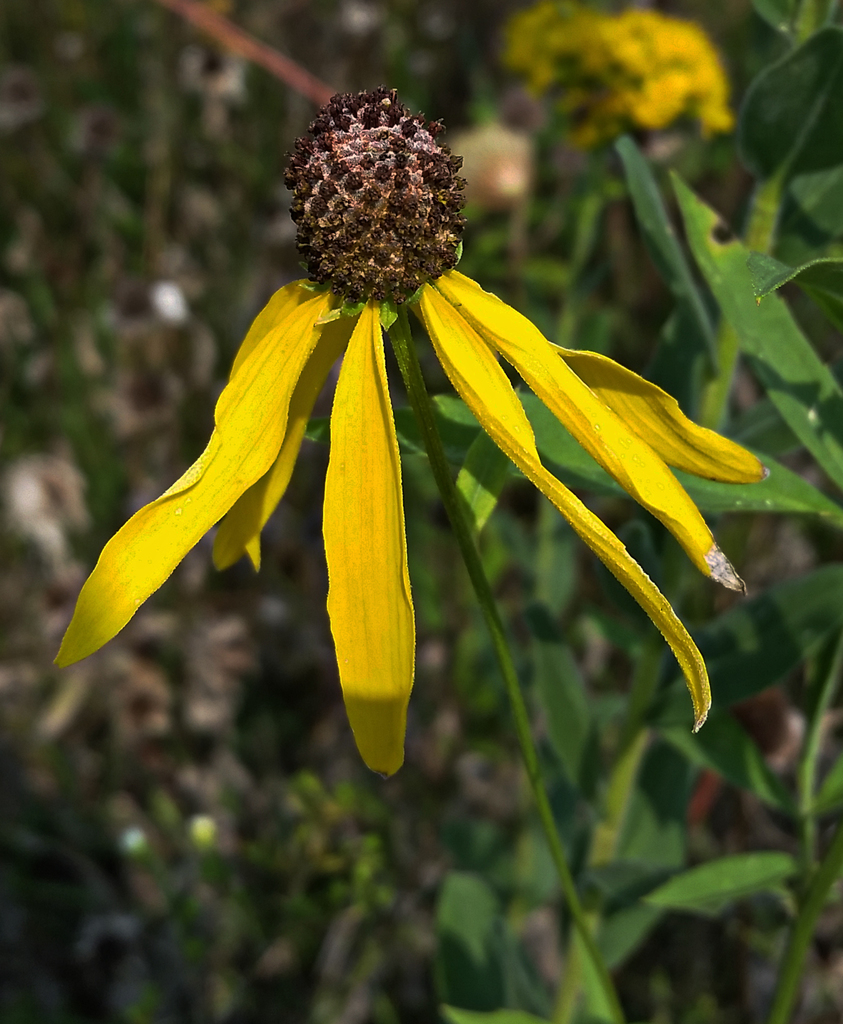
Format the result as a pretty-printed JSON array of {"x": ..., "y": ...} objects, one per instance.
[
  {"x": 352, "y": 308},
  {"x": 458, "y": 253},
  {"x": 388, "y": 313},
  {"x": 411, "y": 300},
  {"x": 313, "y": 286}
]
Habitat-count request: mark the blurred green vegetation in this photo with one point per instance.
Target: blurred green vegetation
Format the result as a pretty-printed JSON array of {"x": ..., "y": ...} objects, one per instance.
[{"x": 186, "y": 831}]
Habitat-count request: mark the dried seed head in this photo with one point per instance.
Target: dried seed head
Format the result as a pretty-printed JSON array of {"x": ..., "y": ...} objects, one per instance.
[{"x": 376, "y": 199}]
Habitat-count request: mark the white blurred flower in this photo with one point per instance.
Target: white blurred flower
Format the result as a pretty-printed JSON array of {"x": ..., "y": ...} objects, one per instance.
[{"x": 169, "y": 303}]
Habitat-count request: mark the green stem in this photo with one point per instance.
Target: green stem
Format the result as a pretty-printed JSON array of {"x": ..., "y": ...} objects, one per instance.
[
  {"x": 813, "y": 14},
  {"x": 760, "y": 235},
  {"x": 822, "y": 686},
  {"x": 790, "y": 973},
  {"x": 422, "y": 406},
  {"x": 716, "y": 394}
]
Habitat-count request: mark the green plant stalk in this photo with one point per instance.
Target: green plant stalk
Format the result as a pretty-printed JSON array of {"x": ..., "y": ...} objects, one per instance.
[
  {"x": 420, "y": 402},
  {"x": 716, "y": 393},
  {"x": 813, "y": 14},
  {"x": 790, "y": 972},
  {"x": 822, "y": 687},
  {"x": 632, "y": 745},
  {"x": 760, "y": 236}
]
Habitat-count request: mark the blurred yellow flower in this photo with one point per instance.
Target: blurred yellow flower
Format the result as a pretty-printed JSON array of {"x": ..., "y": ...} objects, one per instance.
[
  {"x": 408, "y": 251},
  {"x": 635, "y": 69}
]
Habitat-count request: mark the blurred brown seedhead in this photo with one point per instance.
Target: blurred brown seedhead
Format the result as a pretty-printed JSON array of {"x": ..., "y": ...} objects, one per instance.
[
  {"x": 16, "y": 326},
  {"x": 44, "y": 498},
  {"x": 20, "y": 98},
  {"x": 97, "y": 131},
  {"x": 219, "y": 654}
]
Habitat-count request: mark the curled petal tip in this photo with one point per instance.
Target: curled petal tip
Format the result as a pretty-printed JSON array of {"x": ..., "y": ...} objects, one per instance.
[
  {"x": 700, "y": 715},
  {"x": 722, "y": 571},
  {"x": 765, "y": 470}
]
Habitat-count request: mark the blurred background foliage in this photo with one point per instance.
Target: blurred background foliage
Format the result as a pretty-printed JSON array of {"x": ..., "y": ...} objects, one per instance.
[{"x": 186, "y": 831}]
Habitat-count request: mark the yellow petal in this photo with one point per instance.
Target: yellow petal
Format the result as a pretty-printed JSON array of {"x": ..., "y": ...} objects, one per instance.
[
  {"x": 271, "y": 318},
  {"x": 656, "y": 418},
  {"x": 622, "y": 453},
  {"x": 250, "y": 418},
  {"x": 239, "y": 532},
  {"x": 485, "y": 389},
  {"x": 369, "y": 601}
]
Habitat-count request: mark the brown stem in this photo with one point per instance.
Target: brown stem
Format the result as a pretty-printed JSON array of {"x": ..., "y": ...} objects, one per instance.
[{"x": 237, "y": 41}]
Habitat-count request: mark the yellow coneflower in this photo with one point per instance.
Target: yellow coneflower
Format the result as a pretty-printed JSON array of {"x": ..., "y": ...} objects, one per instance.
[
  {"x": 618, "y": 72},
  {"x": 377, "y": 202}
]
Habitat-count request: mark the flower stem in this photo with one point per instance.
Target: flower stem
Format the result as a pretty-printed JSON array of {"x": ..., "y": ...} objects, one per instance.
[
  {"x": 759, "y": 235},
  {"x": 422, "y": 406},
  {"x": 823, "y": 681},
  {"x": 790, "y": 973}
]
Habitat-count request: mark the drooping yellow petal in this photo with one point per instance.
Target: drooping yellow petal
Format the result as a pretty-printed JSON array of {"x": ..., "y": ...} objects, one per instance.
[
  {"x": 484, "y": 387},
  {"x": 239, "y": 532},
  {"x": 656, "y": 418},
  {"x": 271, "y": 318},
  {"x": 622, "y": 453},
  {"x": 369, "y": 601},
  {"x": 250, "y": 419}
]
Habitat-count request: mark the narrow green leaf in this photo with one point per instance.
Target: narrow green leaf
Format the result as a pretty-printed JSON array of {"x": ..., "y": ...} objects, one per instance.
[
  {"x": 791, "y": 119},
  {"x": 456, "y": 1016},
  {"x": 481, "y": 479},
  {"x": 801, "y": 387},
  {"x": 664, "y": 247},
  {"x": 725, "y": 747},
  {"x": 710, "y": 887},
  {"x": 821, "y": 279}
]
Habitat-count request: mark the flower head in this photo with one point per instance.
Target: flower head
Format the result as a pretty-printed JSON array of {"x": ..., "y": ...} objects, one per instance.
[
  {"x": 634, "y": 69},
  {"x": 403, "y": 229}
]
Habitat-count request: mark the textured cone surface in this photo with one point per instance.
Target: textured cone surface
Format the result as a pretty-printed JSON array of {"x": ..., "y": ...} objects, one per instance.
[{"x": 376, "y": 199}]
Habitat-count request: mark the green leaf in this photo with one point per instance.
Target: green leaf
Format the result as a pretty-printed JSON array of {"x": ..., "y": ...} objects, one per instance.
[
  {"x": 561, "y": 693},
  {"x": 677, "y": 367},
  {"x": 480, "y": 963},
  {"x": 821, "y": 279},
  {"x": 481, "y": 479},
  {"x": 778, "y": 13},
  {"x": 819, "y": 198},
  {"x": 782, "y": 491},
  {"x": 791, "y": 120},
  {"x": 654, "y": 831},
  {"x": 621, "y": 932},
  {"x": 710, "y": 887},
  {"x": 664, "y": 247},
  {"x": 466, "y": 971},
  {"x": 801, "y": 387},
  {"x": 456, "y": 1016},
  {"x": 760, "y": 641},
  {"x": 725, "y": 747}
]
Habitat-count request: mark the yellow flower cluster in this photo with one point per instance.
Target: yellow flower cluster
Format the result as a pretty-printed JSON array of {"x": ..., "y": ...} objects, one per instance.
[{"x": 635, "y": 69}]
